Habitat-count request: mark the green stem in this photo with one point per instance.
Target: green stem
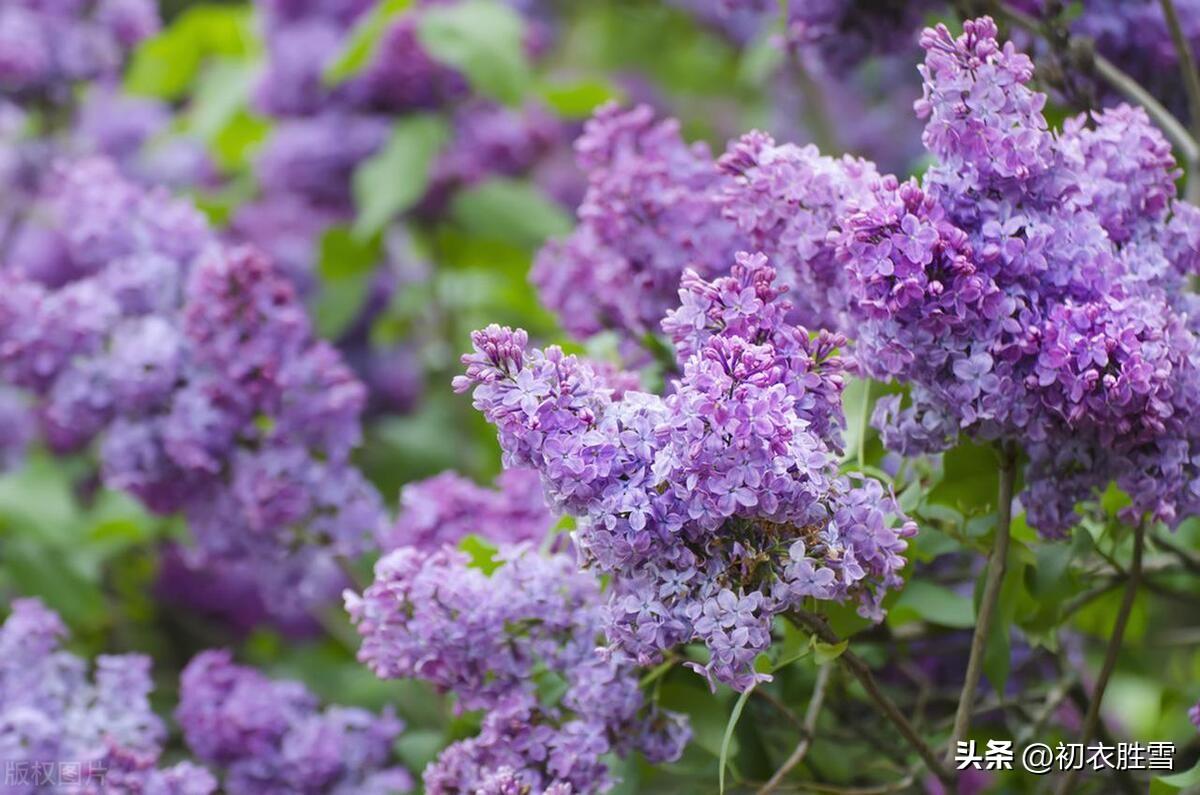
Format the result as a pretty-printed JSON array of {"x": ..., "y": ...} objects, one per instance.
[{"x": 994, "y": 580}]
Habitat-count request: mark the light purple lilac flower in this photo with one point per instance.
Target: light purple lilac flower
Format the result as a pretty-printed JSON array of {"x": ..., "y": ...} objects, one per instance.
[
  {"x": 520, "y": 644},
  {"x": 713, "y": 507}
]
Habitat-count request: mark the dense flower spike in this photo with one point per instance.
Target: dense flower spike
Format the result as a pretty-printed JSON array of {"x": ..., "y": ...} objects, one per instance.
[
  {"x": 52, "y": 712},
  {"x": 502, "y": 643},
  {"x": 195, "y": 366},
  {"x": 447, "y": 508},
  {"x": 272, "y": 736},
  {"x": 1030, "y": 288},
  {"x": 717, "y": 507}
]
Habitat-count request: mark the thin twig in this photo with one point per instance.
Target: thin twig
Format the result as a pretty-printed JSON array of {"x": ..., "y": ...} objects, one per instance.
[
  {"x": 1092, "y": 720},
  {"x": 1189, "y": 562},
  {"x": 862, "y": 672},
  {"x": 809, "y": 727},
  {"x": 782, "y": 708},
  {"x": 994, "y": 580}
]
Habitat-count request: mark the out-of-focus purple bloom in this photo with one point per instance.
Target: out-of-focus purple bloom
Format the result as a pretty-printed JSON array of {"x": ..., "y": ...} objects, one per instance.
[
  {"x": 272, "y": 736},
  {"x": 53, "y": 711},
  {"x": 446, "y": 508}
]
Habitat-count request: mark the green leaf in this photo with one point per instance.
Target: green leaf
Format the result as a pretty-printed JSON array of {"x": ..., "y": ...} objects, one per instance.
[
  {"x": 734, "y": 716},
  {"x": 392, "y": 180},
  {"x": 483, "y": 39},
  {"x": 482, "y": 553},
  {"x": 342, "y": 255},
  {"x": 1188, "y": 778},
  {"x": 221, "y": 91},
  {"x": 511, "y": 211},
  {"x": 936, "y": 605},
  {"x": 997, "y": 653},
  {"x": 338, "y": 303},
  {"x": 971, "y": 478},
  {"x": 578, "y": 99},
  {"x": 828, "y": 652},
  {"x": 363, "y": 40},
  {"x": 166, "y": 65}
]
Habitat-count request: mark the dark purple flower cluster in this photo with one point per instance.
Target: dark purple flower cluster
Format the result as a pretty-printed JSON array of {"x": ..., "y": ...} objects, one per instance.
[
  {"x": 52, "y": 711},
  {"x": 845, "y": 32},
  {"x": 47, "y": 47},
  {"x": 194, "y": 366},
  {"x": 520, "y": 644},
  {"x": 446, "y": 508},
  {"x": 273, "y": 736},
  {"x": 1029, "y": 288},
  {"x": 268, "y": 736},
  {"x": 715, "y": 508}
]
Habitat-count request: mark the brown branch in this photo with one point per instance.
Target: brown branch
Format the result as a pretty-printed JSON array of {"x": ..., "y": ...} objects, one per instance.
[
  {"x": 996, "y": 565},
  {"x": 807, "y": 730},
  {"x": 1091, "y": 721}
]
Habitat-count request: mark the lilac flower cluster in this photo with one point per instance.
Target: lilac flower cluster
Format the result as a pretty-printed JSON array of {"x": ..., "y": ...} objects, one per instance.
[
  {"x": 194, "y": 367},
  {"x": 656, "y": 207},
  {"x": 444, "y": 509},
  {"x": 521, "y": 645},
  {"x": 785, "y": 199},
  {"x": 845, "y": 32},
  {"x": 648, "y": 214},
  {"x": 47, "y": 47},
  {"x": 1029, "y": 288},
  {"x": 272, "y": 736},
  {"x": 52, "y": 711},
  {"x": 715, "y": 508}
]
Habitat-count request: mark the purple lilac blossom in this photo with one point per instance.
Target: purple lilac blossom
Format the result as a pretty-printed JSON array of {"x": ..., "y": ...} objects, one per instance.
[
  {"x": 194, "y": 367},
  {"x": 52, "y": 711},
  {"x": 268, "y": 736},
  {"x": 500, "y": 642},
  {"x": 444, "y": 509},
  {"x": 47, "y": 47},
  {"x": 1030, "y": 288},
  {"x": 718, "y": 507},
  {"x": 656, "y": 207},
  {"x": 649, "y": 212}
]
